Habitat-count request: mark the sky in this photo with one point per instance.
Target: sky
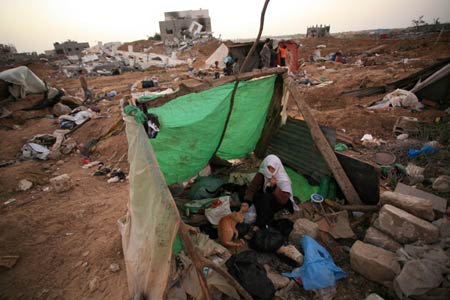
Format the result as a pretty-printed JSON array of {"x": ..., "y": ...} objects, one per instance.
[{"x": 34, "y": 25}]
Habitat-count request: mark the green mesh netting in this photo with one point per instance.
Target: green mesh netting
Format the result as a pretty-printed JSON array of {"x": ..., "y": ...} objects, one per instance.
[{"x": 191, "y": 126}]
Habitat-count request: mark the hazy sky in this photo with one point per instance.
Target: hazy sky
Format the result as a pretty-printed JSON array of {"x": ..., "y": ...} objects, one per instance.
[{"x": 33, "y": 25}]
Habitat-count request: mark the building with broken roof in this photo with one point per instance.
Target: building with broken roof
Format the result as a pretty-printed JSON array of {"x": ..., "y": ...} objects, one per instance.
[
  {"x": 180, "y": 24},
  {"x": 318, "y": 31},
  {"x": 70, "y": 48}
]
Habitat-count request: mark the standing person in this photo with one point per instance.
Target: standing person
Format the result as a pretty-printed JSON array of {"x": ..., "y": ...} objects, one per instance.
[
  {"x": 265, "y": 54},
  {"x": 84, "y": 86},
  {"x": 273, "y": 55},
  {"x": 216, "y": 70},
  {"x": 282, "y": 49},
  {"x": 236, "y": 66},
  {"x": 270, "y": 191}
]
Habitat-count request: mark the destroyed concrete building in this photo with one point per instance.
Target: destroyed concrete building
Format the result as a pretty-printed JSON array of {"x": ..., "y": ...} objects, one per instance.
[
  {"x": 178, "y": 24},
  {"x": 317, "y": 32},
  {"x": 70, "y": 48}
]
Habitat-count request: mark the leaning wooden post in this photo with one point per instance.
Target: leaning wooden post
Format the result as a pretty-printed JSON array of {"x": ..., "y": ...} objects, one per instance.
[{"x": 322, "y": 144}]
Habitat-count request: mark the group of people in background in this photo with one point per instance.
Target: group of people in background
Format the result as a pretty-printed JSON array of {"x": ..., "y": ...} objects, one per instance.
[
  {"x": 231, "y": 67},
  {"x": 269, "y": 55}
]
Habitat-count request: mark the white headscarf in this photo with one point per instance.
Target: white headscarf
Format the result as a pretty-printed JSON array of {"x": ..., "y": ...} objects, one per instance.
[{"x": 283, "y": 180}]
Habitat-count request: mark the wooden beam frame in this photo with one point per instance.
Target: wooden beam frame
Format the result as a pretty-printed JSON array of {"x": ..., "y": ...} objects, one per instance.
[{"x": 322, "y": 144}]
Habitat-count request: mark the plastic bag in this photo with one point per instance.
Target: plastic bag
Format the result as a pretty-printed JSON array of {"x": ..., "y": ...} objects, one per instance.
[
  {"x": 215, "y": 214},
  {"x": 267, "y": 240},
  {"x": 250, "y": 215}
]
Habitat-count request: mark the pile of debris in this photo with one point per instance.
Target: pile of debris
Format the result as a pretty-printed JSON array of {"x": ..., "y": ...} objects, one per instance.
[{"x": 406, "y": 248}]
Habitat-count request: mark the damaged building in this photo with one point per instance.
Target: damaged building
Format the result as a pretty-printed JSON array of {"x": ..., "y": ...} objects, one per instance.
[
  {"x": 178, "y": 24},
  {"x": 318, "y": 31},
  {"x": 70, "y": 48}
]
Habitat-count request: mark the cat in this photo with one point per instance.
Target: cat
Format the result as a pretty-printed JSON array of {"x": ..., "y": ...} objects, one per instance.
[{"x": 227, "y": 227}]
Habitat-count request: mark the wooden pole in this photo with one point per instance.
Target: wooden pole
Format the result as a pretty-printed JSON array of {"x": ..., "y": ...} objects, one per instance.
[
  {"x": 322, "y": 144},
  {"x": 261, "y": 26}
]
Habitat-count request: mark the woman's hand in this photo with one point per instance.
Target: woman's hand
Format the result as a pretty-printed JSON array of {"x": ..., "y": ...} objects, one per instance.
[{"x": 273, "y": 181}]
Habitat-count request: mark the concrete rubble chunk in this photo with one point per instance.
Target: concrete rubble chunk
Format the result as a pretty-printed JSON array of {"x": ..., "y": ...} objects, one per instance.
[
  {"x": 374, "y": 263},
  {"x": 442, "y": 184},
  {"x": 61, "y": 183},
  {"x": 380, "y": 239},
  {"x": 439, "y": 203},
  {"x": 24, "y": 185},
  {"x": 405, "y": 227},
  {"x": 374, "y": 297},
  {"x": 422, "y": 208},
  {"x": 301, "y": 228},
  {"x": 60, "y": 109}
]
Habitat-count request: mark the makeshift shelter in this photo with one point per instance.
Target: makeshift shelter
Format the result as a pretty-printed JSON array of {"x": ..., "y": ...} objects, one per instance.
[
  {"x": 23, "y": 81},
  {"x": 230, "y": 118},
  {"x": 219, "y": 55}
]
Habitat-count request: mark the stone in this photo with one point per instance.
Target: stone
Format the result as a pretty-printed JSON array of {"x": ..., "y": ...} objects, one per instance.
[
  {"x": 405, "y": 227},
  {"x": 422, "y": 208},
  {"x": 71, "y": 101},
  {"x": 442, "y": 184},
  {"x": 444, "y": 227},
  {"x": 24, "y": 185},
  {"x": 374, "y": 297},
  {"x": 303, "y": 227},
  {"x": 60, "y": 162},
  {"x": 86, "y": 253},
  {"x": 380, "y": 239},
  {"x": 93, "y": 284},
  {"x": 374, "y": 263},
  {"x": 61, "y": 183},
  {"x": 114, "y": 268},
  {"x": 291, "y": 252},
  {"x": 278, "y": 280},
  {"x": 439, "y": 203},
  {"x": 60, "y": 109}
]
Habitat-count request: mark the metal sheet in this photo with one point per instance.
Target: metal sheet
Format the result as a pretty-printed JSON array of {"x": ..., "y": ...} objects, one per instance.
[{"x": 295, "y": 147}]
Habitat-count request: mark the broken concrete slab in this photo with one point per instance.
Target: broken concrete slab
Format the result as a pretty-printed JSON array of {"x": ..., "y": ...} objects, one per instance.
[
  {"x": 439, "y": 203},
  {"x": 420, "y": 207},
  {"x": 380, "y": 239},
  {"x": 405, "y": 227},
  {"x": 60, "y": 109},
  {"x": 374, "y": 263},
  {"x": 301, "y": 228},
  {"x": 24, "y": 185}
]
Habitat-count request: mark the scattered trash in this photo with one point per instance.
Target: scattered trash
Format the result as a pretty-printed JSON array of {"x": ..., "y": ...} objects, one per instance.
[
  {"x": 114, "y": 268},
  {"x": 384, "y": 158},
  {"x": 428, "y": 148},
  {"x": 369, "y": 141},
  {"x": 8, "y": 261},
  {"x": 33, "y": 150},
  {"x": 399, "y": 98},
  {"x": 111, "y": 94},
  {"x": 415, "y": 173},
  {"x": 318, "y": 270},
  {"x": 8, "y": 202},
  {"x": 340, "y": 147},
  {"x": 403, "y": 136}
]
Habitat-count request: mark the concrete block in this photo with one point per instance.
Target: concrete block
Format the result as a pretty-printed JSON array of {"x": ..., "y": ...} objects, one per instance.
[
  {"x": 374, "y": 263},
  {"x": 303, "y": 227},
  {"x": 61, "y": 183},
  {"x": 382, "y": 240},
  {"x": 420, "y": 207},
  {"x": 405, "y": 227},
  {"x": 439, "y": 203}
]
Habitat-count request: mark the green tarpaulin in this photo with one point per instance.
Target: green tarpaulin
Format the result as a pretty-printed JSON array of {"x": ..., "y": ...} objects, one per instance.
[
  {"x": 191, "y": 126},
  {"x": 300, "y": 186}
]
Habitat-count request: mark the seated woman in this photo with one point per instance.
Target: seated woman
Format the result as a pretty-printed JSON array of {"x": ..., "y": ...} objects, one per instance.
[{"x": 270, "y": 191}]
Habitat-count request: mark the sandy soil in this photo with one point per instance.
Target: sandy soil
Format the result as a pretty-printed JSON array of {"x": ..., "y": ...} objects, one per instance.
[{"x": 67, "y": 242}]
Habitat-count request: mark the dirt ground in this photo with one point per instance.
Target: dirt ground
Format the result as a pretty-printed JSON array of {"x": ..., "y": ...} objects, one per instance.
[{"x": 67, "y": 242}]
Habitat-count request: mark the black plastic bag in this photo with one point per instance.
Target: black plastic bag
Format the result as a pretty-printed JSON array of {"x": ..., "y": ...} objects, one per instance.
[
  {"x": 267, "y": 240},
  {"x": 284, "y": 226},
  {"x": 245, "y": 268}
]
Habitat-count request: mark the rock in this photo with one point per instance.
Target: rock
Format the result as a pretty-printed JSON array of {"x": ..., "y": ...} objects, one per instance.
[
  {"x": 379, "y": 239},
  {"x": 114, "y": 268},
  {"x": 444, "y": 227},
  {"x": 404, "y": 227},
  {"x": 422, "y": 208},
  {"x": 60, "y": 162},
  {"x": 278, "y": 280},
  {"x": 60, "y": 109},
  {"x": 24, "y": 185},
  {"x": 71, "y": 101},
  {"x": 373, "y": 297},
  {"x": 374, "y": 263},
  {"x": 86, "y": 253},
  {"x": 61, "y": 183},
  {"x": 303, "y": 227},
  {"x": 93, "y": 284},
  {"x": 442, "y": 184},
  {"x": 291, "y": 252},
  {"x": 54, "y": 155}
]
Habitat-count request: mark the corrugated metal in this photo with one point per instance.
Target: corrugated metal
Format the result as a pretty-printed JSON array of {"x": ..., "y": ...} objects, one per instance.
[{"x": 293, "y": 144}]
